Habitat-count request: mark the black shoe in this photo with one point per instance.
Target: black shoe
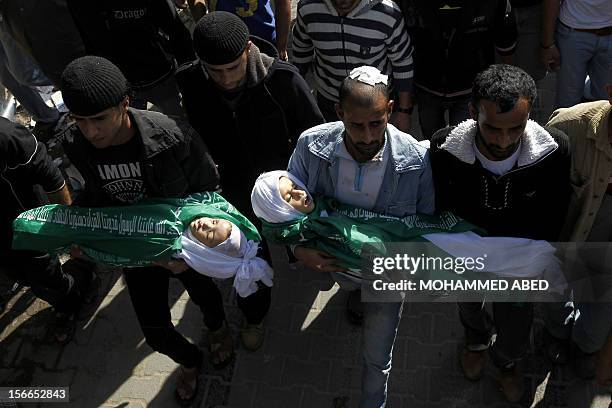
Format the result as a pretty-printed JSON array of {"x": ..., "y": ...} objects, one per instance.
[{"x": 354, "y": 307}]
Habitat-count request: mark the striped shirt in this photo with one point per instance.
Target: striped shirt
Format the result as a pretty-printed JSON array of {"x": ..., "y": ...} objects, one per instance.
[{"x": 372, "y": 34}]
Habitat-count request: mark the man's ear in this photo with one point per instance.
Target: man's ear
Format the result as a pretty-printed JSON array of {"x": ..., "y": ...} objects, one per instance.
[
  {"x": 390, "y": 106},
  {"x": 125, "y": 104},
  {"x": 339, "y": 111},
  {"x": 248, "y": 47},
  {"x": 473, "y": 111}
]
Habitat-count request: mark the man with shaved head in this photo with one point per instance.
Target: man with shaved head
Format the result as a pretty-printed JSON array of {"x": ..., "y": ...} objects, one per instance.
[{"x": 364, "y": 161}]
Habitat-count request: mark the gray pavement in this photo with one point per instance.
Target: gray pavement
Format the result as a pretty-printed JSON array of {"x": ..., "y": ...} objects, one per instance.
[{"x": 310, "y": 359}]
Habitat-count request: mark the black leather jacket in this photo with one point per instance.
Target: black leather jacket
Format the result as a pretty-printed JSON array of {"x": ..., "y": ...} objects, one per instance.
[
  {"x": 175, "y": 160},
  {"x": 448, "y": 66}
]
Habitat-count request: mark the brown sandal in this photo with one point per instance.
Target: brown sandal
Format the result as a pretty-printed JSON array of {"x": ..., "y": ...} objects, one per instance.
[
  {"x": 187, "y": 385},
  {"x": 252, "y": 336},
  {"x": 221, "y": 347}
]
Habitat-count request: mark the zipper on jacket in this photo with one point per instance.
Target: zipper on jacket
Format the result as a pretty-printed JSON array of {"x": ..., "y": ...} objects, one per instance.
[
  {"x": 343, "y": 46},
  {"x": 527, "y": 166},
  {"x": 446, "y": 51}
]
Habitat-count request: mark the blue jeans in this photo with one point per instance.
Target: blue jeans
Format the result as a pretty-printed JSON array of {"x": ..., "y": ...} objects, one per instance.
[
  {"x": 582, "y": 54},
  {"x": 380, "y": 322},
  {"x": 587, "y": 324},
  {"x": 20, "y": 74}
]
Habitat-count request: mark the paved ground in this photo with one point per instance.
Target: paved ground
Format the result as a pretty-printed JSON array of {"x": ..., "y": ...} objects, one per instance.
[{"x": 310, "y": 358}]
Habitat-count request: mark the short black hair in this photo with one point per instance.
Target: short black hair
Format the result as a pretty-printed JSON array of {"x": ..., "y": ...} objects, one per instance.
[
  {"x": 504, "y": 85},
  {"x": 360, "y": 93}
]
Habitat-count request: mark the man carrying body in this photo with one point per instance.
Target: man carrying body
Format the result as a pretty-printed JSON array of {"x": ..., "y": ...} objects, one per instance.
[
  {"x": 509, "y": 176},
  {"x": 125, "y": 155},
  {"x": 365, "y": 162},
  {"x": 335, "y": 36},
  {"x": 250, "y": 107},
  {"x": 24, "y": 162}
]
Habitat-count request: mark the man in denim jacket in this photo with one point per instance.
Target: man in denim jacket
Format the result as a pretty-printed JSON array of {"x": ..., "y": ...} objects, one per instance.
[{"x": 364, "y": 161}]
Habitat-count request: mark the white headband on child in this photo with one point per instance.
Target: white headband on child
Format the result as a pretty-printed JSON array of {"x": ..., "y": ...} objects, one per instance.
[
  {"x": 236, "y": 256},
  {"x": 368, "y": 75},
  {"x": 233, "y": 245},
  {"x": 266, "y": 199}
]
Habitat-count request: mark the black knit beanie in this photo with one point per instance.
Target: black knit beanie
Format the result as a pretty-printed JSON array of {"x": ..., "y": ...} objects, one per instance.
[
  {"x": 92, "y": 84},
  {"x": 220, "y": 38}
]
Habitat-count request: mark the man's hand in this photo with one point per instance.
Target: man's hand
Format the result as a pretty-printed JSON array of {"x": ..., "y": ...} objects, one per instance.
[
  {"x": 401, "y": 121},
  {"x": 61, "y": 196},
  {"x": 282, "y": 53},
  {"x": 76, "y": 252},
  {"x": 551, "y": 58},
  {"x": 176, "y": 267},
  {"x": 317, "y": 260}
]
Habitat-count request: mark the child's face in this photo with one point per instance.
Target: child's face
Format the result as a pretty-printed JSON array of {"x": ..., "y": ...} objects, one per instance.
[
  {"x": 210, "y": 231},
  {"x": 295, "y": 196}
]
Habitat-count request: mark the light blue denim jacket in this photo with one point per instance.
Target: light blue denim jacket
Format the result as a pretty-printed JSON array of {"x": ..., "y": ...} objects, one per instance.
[{"x": 407, "y": 186}]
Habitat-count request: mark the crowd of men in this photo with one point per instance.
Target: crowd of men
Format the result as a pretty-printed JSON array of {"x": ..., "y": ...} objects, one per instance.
[{"x": 231, "y": 106}]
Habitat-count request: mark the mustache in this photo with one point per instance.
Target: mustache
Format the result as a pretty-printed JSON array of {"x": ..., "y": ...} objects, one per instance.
[{"x": 368, "y": 145}]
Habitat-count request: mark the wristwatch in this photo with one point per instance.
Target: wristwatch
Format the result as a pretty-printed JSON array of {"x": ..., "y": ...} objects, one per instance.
[{"x": 405, "y": 110}]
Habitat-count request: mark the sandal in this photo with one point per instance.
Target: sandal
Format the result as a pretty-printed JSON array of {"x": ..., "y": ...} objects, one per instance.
[
  {"x": 187, "y": 385},
  {"x": 252, "y": 336},
  {"x": 63, "y": 328},
  {"x": 221, "y": 347}
]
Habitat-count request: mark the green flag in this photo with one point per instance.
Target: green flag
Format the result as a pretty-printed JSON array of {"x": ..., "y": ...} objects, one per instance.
[
  {"x": 132, "y": 235},
  {"x": 342, "y": 230}
]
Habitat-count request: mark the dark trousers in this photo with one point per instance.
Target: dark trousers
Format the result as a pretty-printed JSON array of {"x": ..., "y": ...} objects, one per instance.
[
  {"x": 47, "y": 278},
  {"x": 327, "y": 108},
  {"x": 432, "y": 109},
  {"x": 512, "y": 322},
  {"x": 148, "y": 288}
]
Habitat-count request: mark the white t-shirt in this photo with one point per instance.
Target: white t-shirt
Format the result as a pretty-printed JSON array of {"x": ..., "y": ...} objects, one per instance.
[
  {"x": 499, "y": 167},
  {"x": 359, "y": 183},
  {"x": 586, "y": 13}
]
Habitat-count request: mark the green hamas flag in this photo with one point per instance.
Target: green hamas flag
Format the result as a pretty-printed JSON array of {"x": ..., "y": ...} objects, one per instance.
[
  {"x": 133, "y": 235},
  {"x": 342, "y": 230}
]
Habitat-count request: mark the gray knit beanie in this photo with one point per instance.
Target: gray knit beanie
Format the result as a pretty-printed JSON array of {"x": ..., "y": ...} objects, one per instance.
[
  {"x": 92, "y": 84},
  {"x": 220, "y": 38}
]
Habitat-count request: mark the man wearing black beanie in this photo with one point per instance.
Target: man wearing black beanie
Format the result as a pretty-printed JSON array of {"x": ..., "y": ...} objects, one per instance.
[
  {"x": 125, "y": 155},
  {"x": 250, "y": 107}
]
